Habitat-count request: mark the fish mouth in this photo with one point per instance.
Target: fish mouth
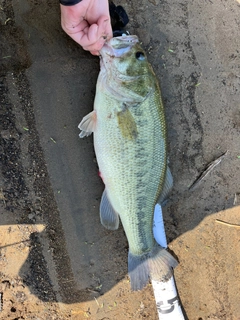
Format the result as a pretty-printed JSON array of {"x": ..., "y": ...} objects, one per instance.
[{"x": 118, "y": 46}]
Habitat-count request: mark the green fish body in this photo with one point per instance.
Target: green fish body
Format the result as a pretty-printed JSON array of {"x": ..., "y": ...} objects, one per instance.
[{"x": 130, "y": 144}]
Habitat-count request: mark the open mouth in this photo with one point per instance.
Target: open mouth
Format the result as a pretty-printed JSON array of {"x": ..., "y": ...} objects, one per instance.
[{"x": 118, "y": 46}]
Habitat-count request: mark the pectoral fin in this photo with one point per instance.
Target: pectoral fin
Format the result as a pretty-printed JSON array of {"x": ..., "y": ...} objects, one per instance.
[
  {"x": 167, "y": 187},
  {"x": 88, "y": 124},
  {"x": 109, "y": 218}
]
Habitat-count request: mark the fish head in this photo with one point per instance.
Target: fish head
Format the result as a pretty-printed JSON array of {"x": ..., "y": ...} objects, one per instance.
[
  {"x": 125, "y": 55},
  {"x": 125, "y": 64}
]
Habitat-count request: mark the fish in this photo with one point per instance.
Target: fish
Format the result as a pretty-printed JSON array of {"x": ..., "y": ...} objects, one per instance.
[{"x": 129, "y": 133}]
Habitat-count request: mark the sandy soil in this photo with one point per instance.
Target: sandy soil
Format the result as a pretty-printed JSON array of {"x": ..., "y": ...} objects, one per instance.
[{"x": 56, "y": 260}]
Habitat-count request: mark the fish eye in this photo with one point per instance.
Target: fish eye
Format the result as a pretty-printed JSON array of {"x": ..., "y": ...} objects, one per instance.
[{"x": 140, "y": 55}]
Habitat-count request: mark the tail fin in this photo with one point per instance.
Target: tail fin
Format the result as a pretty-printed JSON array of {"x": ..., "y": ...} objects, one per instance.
[{"x": 157, "y": 264}]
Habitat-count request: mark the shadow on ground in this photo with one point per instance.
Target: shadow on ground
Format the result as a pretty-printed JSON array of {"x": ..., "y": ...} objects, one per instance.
[{"x": 49, "y": 176}]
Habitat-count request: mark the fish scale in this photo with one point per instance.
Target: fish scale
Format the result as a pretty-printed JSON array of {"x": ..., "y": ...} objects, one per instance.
[
  {"x": 130, "y": 144},
  {"x": 123, "y": 184}
]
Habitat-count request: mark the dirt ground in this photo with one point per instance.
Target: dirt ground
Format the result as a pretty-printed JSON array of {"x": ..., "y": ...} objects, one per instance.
[{"x": 56, "y": 260}]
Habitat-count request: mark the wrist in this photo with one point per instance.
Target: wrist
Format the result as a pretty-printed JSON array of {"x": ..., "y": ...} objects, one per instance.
[{"x": 69, "y": 2}]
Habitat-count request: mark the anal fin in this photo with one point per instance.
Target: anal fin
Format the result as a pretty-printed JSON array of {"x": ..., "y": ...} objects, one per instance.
[{"x": 108, "y": 216}]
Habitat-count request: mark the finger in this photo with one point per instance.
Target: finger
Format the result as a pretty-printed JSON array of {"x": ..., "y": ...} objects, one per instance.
[
  {"x": 96, "y": 32},
  {"x": 104, "y": 26},
  {"x": 108, "y": 30},
  {"x": 91, "y": 38},
  {"x": 97, "y": 46},
  {"x": 72, "y": 28},
  {"x": 95, "y": 53}
]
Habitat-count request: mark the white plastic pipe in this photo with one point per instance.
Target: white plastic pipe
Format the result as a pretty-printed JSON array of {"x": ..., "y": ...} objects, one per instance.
[
  {"x": 158, "y": 227},
  {"x": 168, "y": 306}
]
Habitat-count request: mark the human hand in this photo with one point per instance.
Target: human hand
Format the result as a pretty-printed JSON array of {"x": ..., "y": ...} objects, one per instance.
[{"x": 88, "y": 23}]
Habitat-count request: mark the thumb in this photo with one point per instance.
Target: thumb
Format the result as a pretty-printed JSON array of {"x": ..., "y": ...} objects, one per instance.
[
  {"x": 98, "y": 32},
  {"x": 104, "y": 27}
]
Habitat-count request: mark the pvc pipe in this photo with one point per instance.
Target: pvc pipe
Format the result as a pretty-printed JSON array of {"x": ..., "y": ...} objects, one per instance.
[
  {"x": 168, "y": 306},
  {"x": 158, "y": 227}
]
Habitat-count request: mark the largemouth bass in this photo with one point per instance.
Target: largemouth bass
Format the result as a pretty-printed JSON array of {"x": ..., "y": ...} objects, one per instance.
[{"x": 130, "y": 144}]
